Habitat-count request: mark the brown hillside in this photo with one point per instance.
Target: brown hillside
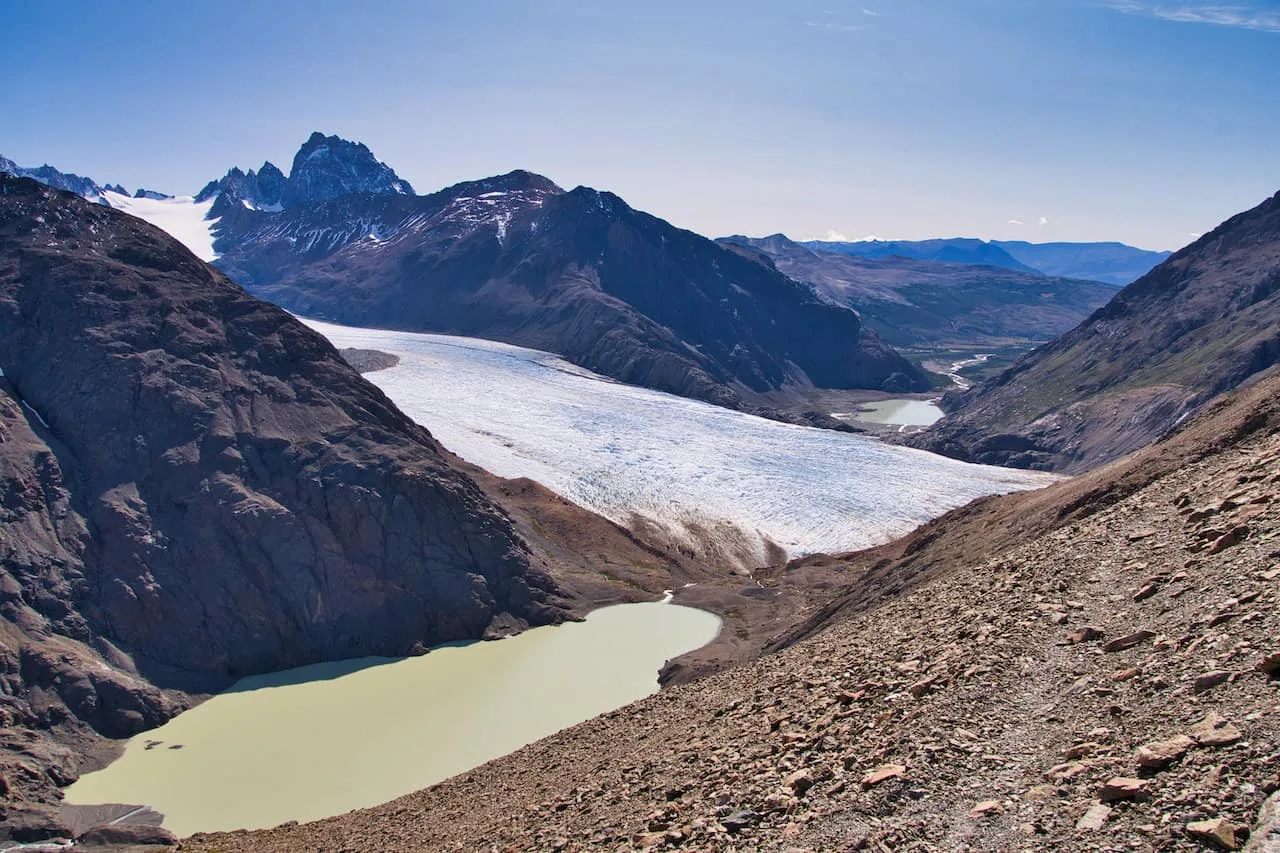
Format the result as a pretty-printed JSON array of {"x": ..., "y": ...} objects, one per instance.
[{"x": 1088, "y": 667}]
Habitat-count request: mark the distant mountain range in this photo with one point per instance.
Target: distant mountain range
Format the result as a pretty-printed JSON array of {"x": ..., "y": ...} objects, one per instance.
[
  {"x": 1113, "y": 263},
  {"x": 515, "y": 258},
  {"x": 580, "y": 273},
  {"x": 911, "y": 302},
  {"x": 1201, "y": 323}
]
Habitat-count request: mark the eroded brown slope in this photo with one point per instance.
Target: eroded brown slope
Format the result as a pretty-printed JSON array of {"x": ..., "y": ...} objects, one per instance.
[{"x": 984, "y": 705}]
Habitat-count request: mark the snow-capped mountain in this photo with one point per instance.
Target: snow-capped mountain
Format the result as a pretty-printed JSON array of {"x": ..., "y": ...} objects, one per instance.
[
  {"x": 260, "y": 190},
  {"x": 515, "y": 258},
  {"x": 46, "y": 174},
  {"x": 326, "y": 167}
]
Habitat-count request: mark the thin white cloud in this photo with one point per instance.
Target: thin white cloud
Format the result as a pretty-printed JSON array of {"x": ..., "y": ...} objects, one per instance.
[
  {"x": 871, "y": 12},
  {"x": 1044, "y": 220},
  {"x": 1245, "y": 16},
  {"x": 1016, "y": 222},
  {"x": 1195, "y": 235},
  {"x": 835, "y": 237},
  {"x": 834, "y": 27}
]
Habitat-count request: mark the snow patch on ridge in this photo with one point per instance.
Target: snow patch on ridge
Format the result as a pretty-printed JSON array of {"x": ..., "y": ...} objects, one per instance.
[
  {"x": 687, "y": 466},
  {"x": 184, "y": 218}
]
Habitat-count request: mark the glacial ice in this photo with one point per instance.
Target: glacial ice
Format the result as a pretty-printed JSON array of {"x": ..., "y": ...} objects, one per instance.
[{"x": 621, "y": 450}]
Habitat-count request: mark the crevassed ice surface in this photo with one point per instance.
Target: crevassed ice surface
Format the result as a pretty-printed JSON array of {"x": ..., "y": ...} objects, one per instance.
[
  {"x": 621, "y": 450},
  {"x": 183, "y": 217}
]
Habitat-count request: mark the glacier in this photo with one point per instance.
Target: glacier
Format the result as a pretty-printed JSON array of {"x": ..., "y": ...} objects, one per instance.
[
  {"x": 640, "y": 457},
  {"x": 184, "y": 218}
]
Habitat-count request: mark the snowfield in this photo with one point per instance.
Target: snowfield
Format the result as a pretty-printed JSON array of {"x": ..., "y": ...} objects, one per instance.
[
  {"x": 698, "y": 471},
  {"x": 182, "y": 217}
]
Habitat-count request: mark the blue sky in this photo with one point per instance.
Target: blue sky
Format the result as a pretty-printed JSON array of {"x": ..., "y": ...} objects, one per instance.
[{"x": 1139, "y": 120}]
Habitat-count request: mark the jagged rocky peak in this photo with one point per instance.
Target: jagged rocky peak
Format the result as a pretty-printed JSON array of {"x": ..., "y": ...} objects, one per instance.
[
  {"x": 261, "y": 190},
  {"x": 326, "y": 167},
  {"x": 154, "y": 195},
  {"x": 46, "y": 174}
]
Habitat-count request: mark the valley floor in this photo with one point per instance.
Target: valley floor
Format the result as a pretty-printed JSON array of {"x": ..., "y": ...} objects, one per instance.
[{"x": 1100, "y": 673}]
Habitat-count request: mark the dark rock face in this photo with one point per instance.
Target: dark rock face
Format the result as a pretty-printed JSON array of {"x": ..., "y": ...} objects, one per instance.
[
  {"x": 913, "y": 302},
  {"x": 194, "y": 487},
  {"x": 514, "y": 258},
  {"x": 326, "y": 167},
  {"x": 1201, "y": 323},
  {"x": 261, "y": 189}
]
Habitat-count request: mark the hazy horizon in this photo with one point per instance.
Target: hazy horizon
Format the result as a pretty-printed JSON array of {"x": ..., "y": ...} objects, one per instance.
[{"x": 1067, "y": 120}]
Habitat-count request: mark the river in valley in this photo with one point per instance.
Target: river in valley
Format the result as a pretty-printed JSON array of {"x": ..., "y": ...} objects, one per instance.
[{"x": 322, "y": 740}]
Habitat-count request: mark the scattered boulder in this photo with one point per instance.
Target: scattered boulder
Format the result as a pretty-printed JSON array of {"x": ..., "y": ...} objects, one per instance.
[
  {"x": 986, "y": 808},
  {"x": 1159, "y": 754},
  {"x": 1210, "y": 680},
  {"x": 800, "y": 781},
  {"x": 1219, "y": 832},
  {"x": 1265, "y": 837},
  {"x": 1270, "y": 665},
  {"x": 1084, "y": 634},
  {"x": 1128, "y": 641},
  {"x": 883, "y": 773},
  {"x": 124, "y": 834},
  {"x": 1215, "y": 730},
  {"x": 740, "y": 820},
  {"x": 1122, "y": 788},
  {"x": 1094, "y": 819}
]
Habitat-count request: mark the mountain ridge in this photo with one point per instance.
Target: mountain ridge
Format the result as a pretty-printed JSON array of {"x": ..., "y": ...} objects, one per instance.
[
  {"x": 1199, "y": 324},
  {"x": 910, "y": 302},
  {"x": 1110, "y": 262}
]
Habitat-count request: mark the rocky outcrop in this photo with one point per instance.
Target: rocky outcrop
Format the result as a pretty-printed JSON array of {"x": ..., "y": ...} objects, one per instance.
[
  {"x": 194, "y": 487},
  {"x": 326, "y": 167},
  {"x": 1203, "y": 322},
  {"x": 263, "y": 189}
]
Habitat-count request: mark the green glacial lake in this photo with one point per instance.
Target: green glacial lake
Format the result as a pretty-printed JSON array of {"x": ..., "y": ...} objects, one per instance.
[
  {"x": 904, "y": 412},
  {"x": 322, "y": 740}
]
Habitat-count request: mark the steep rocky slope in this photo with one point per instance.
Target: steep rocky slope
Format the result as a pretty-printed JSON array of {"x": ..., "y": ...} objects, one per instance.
[
  {"x": 194, "y": 486},
  {"x": 912, "y": 302},
  {"x": 1199, "y": 324},
  {"x": 324, "y": 168},
  {"x": 1089, "y": 667}
]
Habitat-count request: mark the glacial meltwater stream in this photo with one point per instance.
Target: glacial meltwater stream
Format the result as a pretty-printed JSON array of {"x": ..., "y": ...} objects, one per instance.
[{"x": 325, "y": 739}]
